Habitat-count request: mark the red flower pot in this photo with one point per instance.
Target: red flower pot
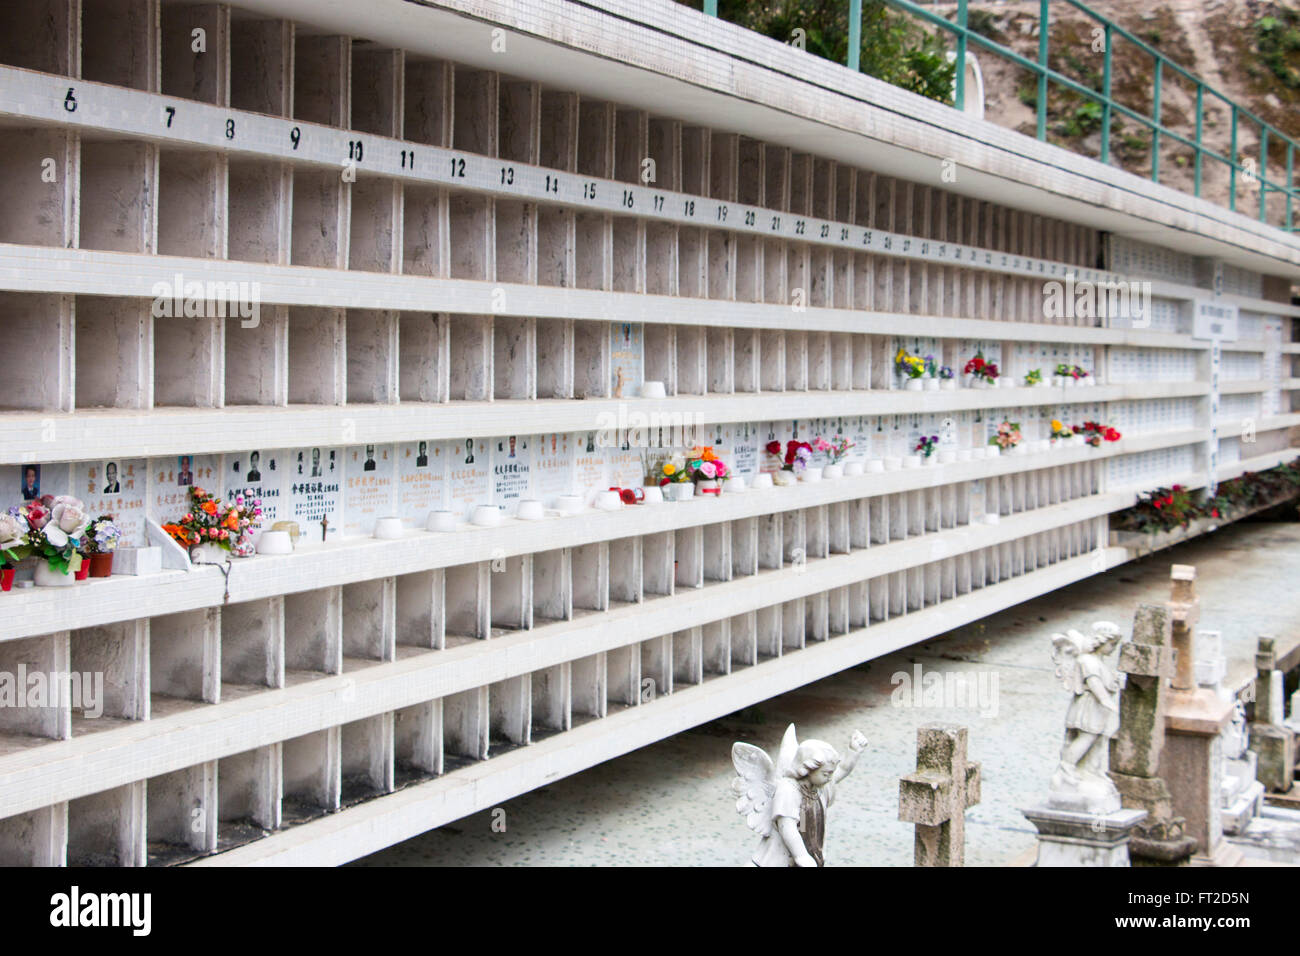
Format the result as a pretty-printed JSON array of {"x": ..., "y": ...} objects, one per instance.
[
  {"x": 101, "y": 565},
  {"x": 6, "y": 578},
  {"x": 82, "y": 572}
]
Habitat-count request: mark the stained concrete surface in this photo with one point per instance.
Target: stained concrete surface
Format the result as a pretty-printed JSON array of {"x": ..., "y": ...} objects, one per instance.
[{"x": 670, "y": 803}]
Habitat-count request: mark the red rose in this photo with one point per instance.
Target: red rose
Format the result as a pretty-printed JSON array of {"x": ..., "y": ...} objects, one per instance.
[
  {"x": 774, "y": 448},
  {"x": 1158, "y": 504},
  {"x": 628, "y": 496},
  {"x": 662, "y": 482}
]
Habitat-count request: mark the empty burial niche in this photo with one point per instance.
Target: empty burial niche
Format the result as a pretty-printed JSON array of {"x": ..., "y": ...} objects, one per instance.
[
  {"x": 36, "y": 838},
  {"x": 622, "y": 678},
  {"x": 257, "y": 211},
  {"x": 109, "y": 673},
  {"x": 423, "y": 357},
  {"x": 688, "y": 657},
  {"x": 257, "y": 357},
  {"x": 196, "y": 66},
  {"x": 467, "y": 603},
  {"x": 743, "y": 633},
  {"x": 369, "y": 622},
  {"x": 552, "y": 587},
  {"x": 113, "y": 352},
  {"x": 514, "y": 364},
  {"x": 658, "y": 570},
  {"x": 316, "y": 373},
  {"x": 555, "y": 372},
  {"x": 248, "y": 796},
  {"x": 470, "y": 372},
  {"x": 252, "y": 646},
  {"x": 555, "y": 247},
  {"x": 588, "y": 690},
  {"x": 656, "y": 668},
  {"x": 119, "y": 43},
  {"x": 592, "y": 250},
  {"x": 184, "y": 650},
  {"x": 181, "y": 815},
  {"x": 425, "y": 249},
  {"x": 320, "y": 219},
  {"x": 377, "y": 78},
  {"x": 311, "y": 776},
  {"x": 40, "y": 35},
  {"x": 625, "y": 572},
  {"x": 108, "y": 828},
  {"x": 418, "y": 611},
  {"x": 716, "y": 648},
  {"x": 427, "y": 101},
  {"x": 591, "y": 360},
  {"x": 371, "y": 337},
  {"x": 118, "y": 211},
  {"x": 38, "y": 375},
  {"x": 471, "y": 236},
  {"x": 261, "y": 65},
  {"x": 417, "y": 743},
  {"x": 313, "y": 634},
  {"x": 515, "y": 234},
  {"x": 464, "y": 728},
  {"x": 187, "y": 359},
  {"x": 551, "y": 696},
  {"x": 375, "y": 220},
  {"x": 38, "y": 709},
  {"x": 367, "y": 752},
  {"x": 322, "y": 89},
  {"x": 38, "y": 212},
  {"x": 511, "y": 593}
]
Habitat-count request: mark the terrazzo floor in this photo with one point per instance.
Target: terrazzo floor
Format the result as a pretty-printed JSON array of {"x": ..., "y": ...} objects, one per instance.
[{"x": 670, "y": 803}]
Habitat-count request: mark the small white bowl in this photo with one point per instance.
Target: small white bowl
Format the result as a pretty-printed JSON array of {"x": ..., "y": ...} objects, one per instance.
[
  {"x": 946, "y": 455},
  {"x": 831, "y": 472},
  {"x": 854, "y": 468},
  {"x": 568, "y": 504},
  {"x": 275, "y": 542},
  {"x": 965, "y": 454},
  {"x": 653, "y": 389},
  {"x": 734, "y": 485},
  {"x": 912, "y": 461},
  {"x": 388, "y": 528},
  {"x": 992, "y": 451},
  {"x": 682, "y": 490},
  {"x": 893, "y": 464},
  {"x": 810, "y": 474},
  {"x": 486, "y": 516},
  {"x": 876, "y": 465},
  {"x": 530, "y": 509},
  {"x": 608, "y": 501},
  {"x": 441, "y": 521},
  {"x": 654, "y": 495},
  {"x": 991, "y": 518},
  {"x": 762, "y": 480}
]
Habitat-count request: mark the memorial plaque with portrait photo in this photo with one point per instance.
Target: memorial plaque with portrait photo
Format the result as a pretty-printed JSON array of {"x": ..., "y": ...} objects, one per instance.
[
  {"x": 626, "y": 466},
  {"x": 368, "y": 487},
  {"x": 512, "y": 458},
  {"x": 626, "y": 359},
  {"x": 314, "y": 481},
  {"x": 115, "y": 486},
  {"x": 591, "y": 465},
  {"x": 552, "y": 467},
  {"x": 170, "y": 481},
  {"x": 469, "y": 474},
  {"x": 421, "y": 480},
  {"x": 261, "y": 473}
]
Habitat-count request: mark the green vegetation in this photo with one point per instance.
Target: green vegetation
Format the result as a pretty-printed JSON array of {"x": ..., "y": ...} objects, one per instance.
[
  {"x": 1277, "y": 38},
  {"x": 894, "y": 47}
]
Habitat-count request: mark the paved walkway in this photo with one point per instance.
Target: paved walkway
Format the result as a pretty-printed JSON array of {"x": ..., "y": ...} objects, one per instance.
[{"x": 670, "y": 803}]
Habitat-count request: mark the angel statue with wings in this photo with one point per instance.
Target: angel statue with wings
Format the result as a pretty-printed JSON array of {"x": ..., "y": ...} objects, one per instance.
[
  {"x": 785, "y": 803},
  {"x": 1083, "y": 666}
]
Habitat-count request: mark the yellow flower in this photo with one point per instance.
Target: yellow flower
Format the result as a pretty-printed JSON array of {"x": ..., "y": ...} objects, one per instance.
[
  {"x": 670, "y": 469},
  {"x": 1056, "y": 425}
]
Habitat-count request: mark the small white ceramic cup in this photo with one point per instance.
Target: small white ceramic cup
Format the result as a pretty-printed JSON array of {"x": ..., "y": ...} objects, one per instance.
[
  {"x": 441, "y": 521},
  {"x": 608, "y": 500},
  {"x": 530, "y": 509},
  {"x": 853, "y": 468},
  {"x": 274, "y": 542},
  {"x": 734, "y": 485},
  {"x": 654, "y": 495},
  {"x": 388, "y": 528},
  {"x": 652, "y": 389},
  {"x": 876, "y": 464},
  {"x": 568, "y": 504},
  {"x": 762, "y": 480},
  {"x": 487, "y": 516}
]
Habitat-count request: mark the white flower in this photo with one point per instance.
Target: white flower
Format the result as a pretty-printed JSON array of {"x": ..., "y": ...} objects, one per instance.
[
  {"x": 55, "y": 536},
  {"x": 12, "y": 530},
  {"x": 69, "y": 516}
]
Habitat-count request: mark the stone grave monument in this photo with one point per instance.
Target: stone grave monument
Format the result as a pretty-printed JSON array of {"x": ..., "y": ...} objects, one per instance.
[{"x": 935, "y": 798}]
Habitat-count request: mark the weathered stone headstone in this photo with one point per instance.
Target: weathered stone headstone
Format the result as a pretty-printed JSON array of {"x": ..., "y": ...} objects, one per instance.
[
  {"x": 935, "y": 798},
  {"x": 1194, "y": 720},
  {"x": 1241, "y": 796},
  {"x": 1147, "y": 660},
  {"x": 1272, "y": 741}
]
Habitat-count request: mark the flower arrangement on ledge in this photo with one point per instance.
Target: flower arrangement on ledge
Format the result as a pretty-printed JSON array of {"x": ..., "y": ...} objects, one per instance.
[
  {"x": 1094, "y": 433},
  {"x": 1067, "y": 374},
  {"x": 1167, "y": 509},
  {"x": 835, "y": 450},
  {"x": 50, "y": 529},
  {"x": 1007, "y": 436},
  {"x": 982, "y": 370},
  {"x": 699, "y": 468},
  {"x": 102, "y": 539},
  {"x": 1034, "y": 377},
  {"x": 1061, "y": 431},
  {"x": 927, "y": 445},
  {"x": 910, "y": 367},
  {"x": 793, "y": 460},
  {"x": 210, "y": 521}
]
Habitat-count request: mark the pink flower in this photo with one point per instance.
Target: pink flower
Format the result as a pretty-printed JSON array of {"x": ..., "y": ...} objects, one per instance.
[
  {"x": 720, "y": 468},
  {"x": 708, "y": 470}
]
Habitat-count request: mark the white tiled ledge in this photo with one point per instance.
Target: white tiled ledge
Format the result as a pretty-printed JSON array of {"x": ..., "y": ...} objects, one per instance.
[
  {"x": 127, "y": 433},
  {"x": 64, "y": 770},
  {"x": 1225, "y": 428},
  {"x": 383, "y": 821},
  {"x": 38, "y": 611},
  {"x": 93, "y": 272}
]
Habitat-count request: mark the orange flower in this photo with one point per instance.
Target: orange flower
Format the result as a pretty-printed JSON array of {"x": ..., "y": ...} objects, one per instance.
[
  {"x": 176, "y": 531},
  {"x": 209, "y": 507},
  {"x": 231, "y": 522}
]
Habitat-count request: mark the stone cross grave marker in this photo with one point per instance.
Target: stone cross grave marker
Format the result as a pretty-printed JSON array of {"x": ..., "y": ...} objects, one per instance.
[{"x": 935, "y": 798}]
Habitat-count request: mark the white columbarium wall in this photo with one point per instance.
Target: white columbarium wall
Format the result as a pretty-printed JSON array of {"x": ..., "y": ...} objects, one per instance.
[{"x": 443, "y": 259}]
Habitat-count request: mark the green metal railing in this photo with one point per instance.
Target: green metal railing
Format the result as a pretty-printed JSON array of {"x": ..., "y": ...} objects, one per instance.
[{"x": 1111, "y": 33}]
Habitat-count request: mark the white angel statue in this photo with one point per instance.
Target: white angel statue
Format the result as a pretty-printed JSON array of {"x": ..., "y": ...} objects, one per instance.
[
  {"x": 1083, "y": 666},
  {"x": 785, "y": 803}
]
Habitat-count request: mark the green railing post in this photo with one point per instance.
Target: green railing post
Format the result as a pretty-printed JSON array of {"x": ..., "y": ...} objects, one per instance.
[
  {"x": 1263, "y": 174},
  {"x": 1105, "y": 103},
  {"x": 959, "y": 93},
  {"x": 1200, "y": 119},
  {"x": 710, "y": 8},
  {"x": 1232, "y": 163},
  {"x": 1155, "y": 128},
  {"x": 855, "y": 35},
  {"x": 1044, "y": 27}
]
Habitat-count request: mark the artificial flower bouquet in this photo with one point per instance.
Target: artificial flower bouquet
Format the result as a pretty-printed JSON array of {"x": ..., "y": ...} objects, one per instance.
[
  {"x": 982, "y": 370},
  {"x": 794, "y": 458},
  {"x": 1007, "y": 436},
  {"x": 212, "y": 521},
  {"x": 1060, "y": 430},
  {"x": 908, "y": 365},
  {"x": 1034, "y": 377},
  {"x": 1094, "y": 433},
  {"x": 707, "y": 469},
  {"x": 835, "y": 449},
  {"x": 927, "y": 445},
  {"x": 103, "y": 536},
  {"x": 55, "y": 528}
]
